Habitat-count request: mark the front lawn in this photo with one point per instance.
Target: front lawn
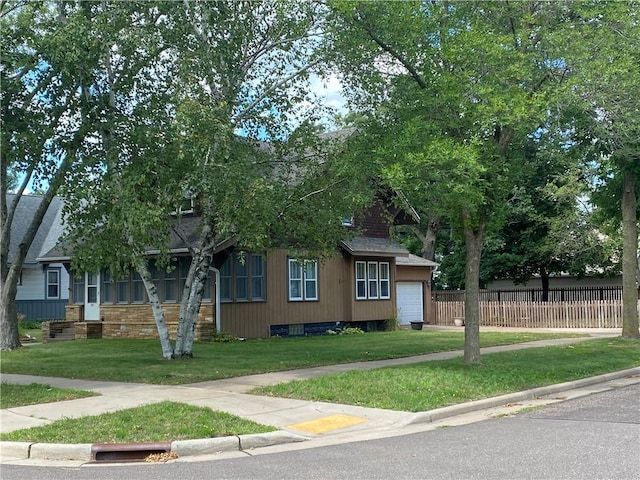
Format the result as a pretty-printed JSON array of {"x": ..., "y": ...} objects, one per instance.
[
  {"x": 36, "y": 393},
  {"x": 141, "y": 360},
  {"x": 425, "y": 386}
]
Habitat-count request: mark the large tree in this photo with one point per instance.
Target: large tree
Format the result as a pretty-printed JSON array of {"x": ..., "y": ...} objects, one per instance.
[
  {"x": 220, "y": 114},
  {"x": 605, "y": 60},
  {"x": 48, "y": 120},
  {"x": 450, "y": 86}
]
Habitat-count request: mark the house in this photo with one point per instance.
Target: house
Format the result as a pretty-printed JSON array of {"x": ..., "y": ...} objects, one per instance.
[
  {"x": 369, "y": 280},
  {"x": 43, "y": 288}
]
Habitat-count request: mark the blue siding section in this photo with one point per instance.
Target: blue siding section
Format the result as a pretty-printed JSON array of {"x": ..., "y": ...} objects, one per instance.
[{"x": 41, "y": 309}]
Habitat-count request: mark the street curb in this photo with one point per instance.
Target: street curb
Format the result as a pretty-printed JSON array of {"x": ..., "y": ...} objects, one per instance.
[
  {"x": 183, "y": 448},
  {"x": 454, "y": 410},
  {"x": 13, "y": 451}
]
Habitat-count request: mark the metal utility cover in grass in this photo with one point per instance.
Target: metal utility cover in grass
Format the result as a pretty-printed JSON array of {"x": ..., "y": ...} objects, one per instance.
[{"x": 326, "y": 424}]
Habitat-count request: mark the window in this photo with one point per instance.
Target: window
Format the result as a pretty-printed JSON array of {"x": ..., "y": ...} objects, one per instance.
[
  {"x": 385, "y": 280},
  {"x": 361, "y": 280},
  {"x": 303, "y": 280},
  {"x": 187, "y": 205},
  {"x": 155, "y": 277},
  {"x": 122, "y": 290},
  {"x": 373, "y": 280},
  {"x": 53, "y": 283},
  {"x": 225, "y": 280},
  {"x": 107, "y": 287},
  {"x": 372, "y": 277},
  {"x": 137, "y": 288},
  {"x": 257, "y": 277},
  {"x": 170, "y": 285},
  {"x": 242, "y": 278},
  {"x": 78, "y": 289}
]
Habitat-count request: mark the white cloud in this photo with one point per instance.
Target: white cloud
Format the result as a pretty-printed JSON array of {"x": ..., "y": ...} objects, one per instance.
[{"x": 329, "y": 90}]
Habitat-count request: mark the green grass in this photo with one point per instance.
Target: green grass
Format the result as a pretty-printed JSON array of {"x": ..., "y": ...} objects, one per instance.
[
  {"x": 424, "y": 386},
  {"x": 141, "y": 360},
  {"x": 165, "y": 421},
  {"x": 36, "y": 393}
]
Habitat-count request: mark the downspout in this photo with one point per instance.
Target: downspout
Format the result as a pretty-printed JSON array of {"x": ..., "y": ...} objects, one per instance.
[{"x": 218, "y": 322}]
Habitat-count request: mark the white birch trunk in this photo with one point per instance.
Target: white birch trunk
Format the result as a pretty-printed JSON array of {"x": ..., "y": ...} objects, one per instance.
[
  {"x": 156, "y": 307},
  {"x": 190, "y": 304}
]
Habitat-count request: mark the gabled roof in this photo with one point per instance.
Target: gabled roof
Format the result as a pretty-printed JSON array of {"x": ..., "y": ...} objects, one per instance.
[
  {"x": 185, "y": 229},
  {"x": 378, "y": 247},
  {"x": 48, "y": 233}
]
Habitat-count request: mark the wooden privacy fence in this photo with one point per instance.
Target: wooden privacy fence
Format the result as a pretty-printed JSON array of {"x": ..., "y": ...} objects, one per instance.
[{"x": 589, "y": 314}]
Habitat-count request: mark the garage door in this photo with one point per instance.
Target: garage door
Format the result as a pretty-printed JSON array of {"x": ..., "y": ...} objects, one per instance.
[{"x": 409, "y": 300}]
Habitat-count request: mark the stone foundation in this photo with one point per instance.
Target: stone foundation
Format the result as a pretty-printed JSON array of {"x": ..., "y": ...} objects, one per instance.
[
  {"x": 132, "y": 321},
  {"x": 74, "y": 313}
]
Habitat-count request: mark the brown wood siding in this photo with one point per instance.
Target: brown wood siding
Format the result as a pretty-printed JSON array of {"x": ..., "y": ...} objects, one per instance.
[
  {"x": 366, "y": 310},
  {"x": 336, "y": 297},
  {"x": 253, "y": 319},
  {"x": 245, "y": 319},
  {"x": 406, "y": 273}
]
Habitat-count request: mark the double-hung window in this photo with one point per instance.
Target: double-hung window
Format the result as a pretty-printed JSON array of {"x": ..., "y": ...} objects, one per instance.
[
  {"x": 53, "y": 283},
  {"x": 122, "y": 289},
  {"x": 303, "y": 280},
  {"x": 372, "y": 280},
  {"x": 78, "y": 289}
]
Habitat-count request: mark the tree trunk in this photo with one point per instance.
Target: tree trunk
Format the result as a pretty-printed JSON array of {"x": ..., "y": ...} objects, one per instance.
[
  {"x": 190, "y": 304},
  {"x": 9, "y": 336},
  {"x": 544, "y": 280},
  {"x": 156, "y": 307},
  {"x": 629, "y": 258},
  {"x": 474, "y": 240},
  {"x": 429, "y": 241}
]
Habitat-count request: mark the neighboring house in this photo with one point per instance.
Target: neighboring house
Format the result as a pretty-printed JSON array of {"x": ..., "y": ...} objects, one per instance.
[
  {"x": 43, "y": 288},
  {"x": 369, "y": 280}
]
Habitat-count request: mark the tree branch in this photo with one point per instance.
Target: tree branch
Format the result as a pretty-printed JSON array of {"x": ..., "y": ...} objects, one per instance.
[
  {"x": 242, "y": 115},
  {"x": 395, "y": 54}
]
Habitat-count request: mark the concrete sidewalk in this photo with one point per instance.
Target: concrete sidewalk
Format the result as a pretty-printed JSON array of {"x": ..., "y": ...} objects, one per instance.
[{"x": 298, "y": 420}]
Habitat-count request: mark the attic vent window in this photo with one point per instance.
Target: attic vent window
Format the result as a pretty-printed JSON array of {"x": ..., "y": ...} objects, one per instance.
[
  {"x": 347, "y": 221},
  {"x": 187, "y": 205}
]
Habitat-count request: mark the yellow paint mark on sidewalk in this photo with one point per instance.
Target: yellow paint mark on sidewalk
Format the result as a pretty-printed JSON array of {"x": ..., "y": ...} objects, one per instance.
[{"x": 325, "y": 424}]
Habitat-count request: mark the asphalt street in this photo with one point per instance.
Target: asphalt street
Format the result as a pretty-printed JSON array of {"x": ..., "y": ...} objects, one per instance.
[{"x": 591, "y": 437}]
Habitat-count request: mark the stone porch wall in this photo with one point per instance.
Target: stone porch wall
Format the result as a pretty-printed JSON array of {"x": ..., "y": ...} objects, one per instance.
[{"x": 135, "y": 321}]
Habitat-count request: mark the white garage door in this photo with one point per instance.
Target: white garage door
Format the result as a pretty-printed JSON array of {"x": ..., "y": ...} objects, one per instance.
[{"x": 409, "y": 299}]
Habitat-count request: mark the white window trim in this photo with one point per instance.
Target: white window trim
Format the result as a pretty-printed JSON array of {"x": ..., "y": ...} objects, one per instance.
[
  {"x": 386, "y": 280},
  {"x": 303, "y": 280},
  {"x": 373, "y": 280},
  {"x": 361, "y": 280},
  {"x": 56, "y": 283},
  {"x": 367, "y": 280}
]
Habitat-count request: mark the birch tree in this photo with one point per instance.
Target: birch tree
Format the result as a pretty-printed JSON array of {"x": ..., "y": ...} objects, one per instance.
[{"x": 223, "y": 113}]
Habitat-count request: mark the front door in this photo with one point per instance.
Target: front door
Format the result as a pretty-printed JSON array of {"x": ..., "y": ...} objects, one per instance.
[{"x": 92, "y": 297}]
